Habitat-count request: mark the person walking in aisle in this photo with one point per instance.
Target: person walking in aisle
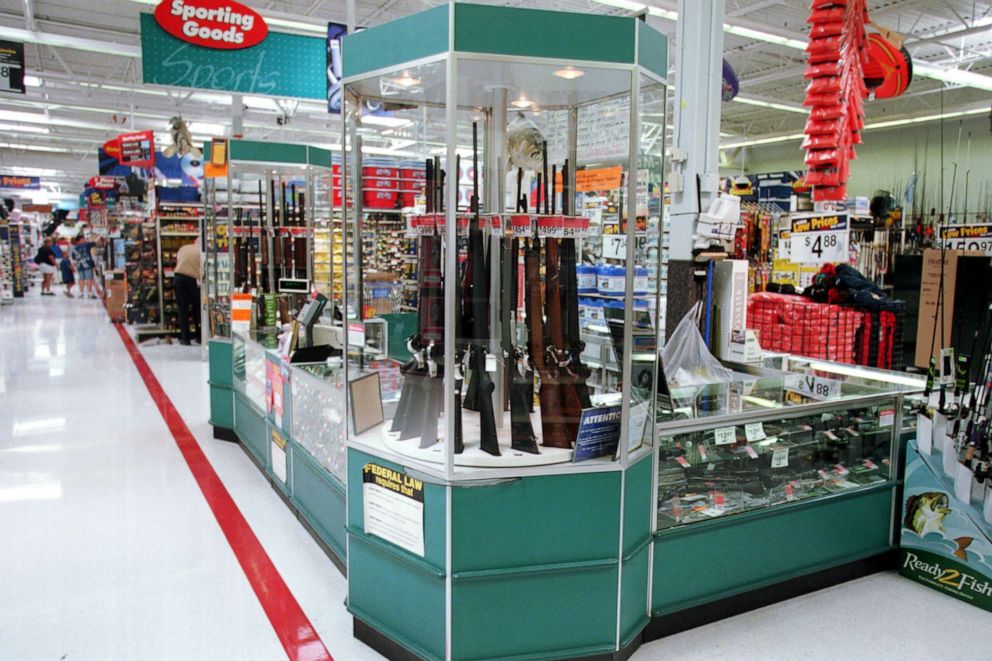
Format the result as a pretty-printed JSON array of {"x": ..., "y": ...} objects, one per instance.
[
  {"x": 186, "y": 283},
  {"x": 82, "y": 257},
  {"x": 45, "y": 259}
]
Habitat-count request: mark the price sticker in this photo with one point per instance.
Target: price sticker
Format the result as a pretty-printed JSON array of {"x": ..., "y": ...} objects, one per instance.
[
  {"x": 869, "y": 464},
  {"x": 790, "y": 492},
  {"x": 490, "y": 362},
  {"x": 780, "y": 458},
  {"x": 754, "y": 431},
  {"x": 887, "y": 418},
  {"x": 702, "y": 452},
  {"x": 725, "y": 435},
  {"x": 751, "y": 452},
  {"x": 831, "y": 436},
  {"x": 682, "y": 462},
  {"x": 840, "y": 470}
]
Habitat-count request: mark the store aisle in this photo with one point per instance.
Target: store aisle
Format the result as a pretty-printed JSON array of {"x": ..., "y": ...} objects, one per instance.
[{"x": 110, "y": 551}]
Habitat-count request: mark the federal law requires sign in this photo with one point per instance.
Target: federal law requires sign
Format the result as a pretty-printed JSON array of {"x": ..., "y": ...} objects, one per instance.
[
  {"x": 819, "y": 239},
  {"x": 393, "y": 504}
]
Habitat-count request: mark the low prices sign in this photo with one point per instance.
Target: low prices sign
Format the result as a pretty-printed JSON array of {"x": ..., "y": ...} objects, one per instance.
[
  {"x": 19, "y": 183},
  {"x": 967, "y": 237},
  {"x": 222, "y": 24},
  {"x": 819, "y": 239}
]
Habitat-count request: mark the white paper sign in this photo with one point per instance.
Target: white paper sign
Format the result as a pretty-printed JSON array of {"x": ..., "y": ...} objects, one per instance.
[
  {"x": 939, "y": 430},
  {"x": 950, "y": 460},
  {"x": 278, "y": 457},
  {"x": 814, "y": 387},
  {"x": 924, "y": 434},
  {"x": 755, "y": 431},
  {"x": 886, "y": 417},
  {"x": 780, "y": 458},
  {"x": 725, "y": 435},
  {"x": 962, "y": 483},
  {"x": 818, "y": 247},
  {"x": 394, "y": 507}
]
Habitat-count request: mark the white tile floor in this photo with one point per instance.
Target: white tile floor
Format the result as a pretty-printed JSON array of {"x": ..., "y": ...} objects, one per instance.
[{"x": 108, "y": 550}]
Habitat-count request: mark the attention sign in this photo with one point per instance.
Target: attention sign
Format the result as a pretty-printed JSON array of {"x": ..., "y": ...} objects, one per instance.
[{"x": 223, "y": 24}]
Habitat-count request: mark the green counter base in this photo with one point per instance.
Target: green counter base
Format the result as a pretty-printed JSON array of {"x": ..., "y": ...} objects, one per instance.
[{"x": 690, "y": 618}]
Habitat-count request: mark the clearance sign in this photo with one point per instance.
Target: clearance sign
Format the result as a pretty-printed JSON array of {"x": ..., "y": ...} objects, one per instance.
[{"x": 220, "y": 24}]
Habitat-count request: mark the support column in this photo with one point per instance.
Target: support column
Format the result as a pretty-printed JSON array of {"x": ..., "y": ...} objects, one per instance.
[{"x": 695, "y": 174}]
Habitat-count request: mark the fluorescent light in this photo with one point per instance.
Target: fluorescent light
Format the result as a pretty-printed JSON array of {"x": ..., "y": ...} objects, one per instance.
[
  {"x": 32, "y": 81},
  {"x": 522, "y": 102},
  {"x": 56, "y": 150},
  {"x": 23, "y": 128},
  {"x": 767, "y": 37},
  {"x": 868, "y": 127},
  {"x": 770, "y": 104},
  {"x": 382, "y": 120},
  {"x": 953, "y": 76},
  {"x": 206, "y": 127},
  {"x": 76, "y": 43},
  {"x": 570, "y": 73},
  {"x": 17, "y": 116}
]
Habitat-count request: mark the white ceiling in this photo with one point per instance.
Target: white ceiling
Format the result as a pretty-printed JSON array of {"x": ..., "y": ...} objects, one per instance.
[{"x": 91, "y": 90}]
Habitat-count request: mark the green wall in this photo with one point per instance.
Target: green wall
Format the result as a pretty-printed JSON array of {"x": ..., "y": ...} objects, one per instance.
[{"x": 885, "y": 161}]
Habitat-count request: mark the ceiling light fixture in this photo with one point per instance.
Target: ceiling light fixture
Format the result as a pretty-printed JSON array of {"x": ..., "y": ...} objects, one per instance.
[
  {"x": 406, "y": 80},
  {"x": 771, "y": 104},
  {"x": 570, "y": 73},
  {"x": 522, "y": 102}
]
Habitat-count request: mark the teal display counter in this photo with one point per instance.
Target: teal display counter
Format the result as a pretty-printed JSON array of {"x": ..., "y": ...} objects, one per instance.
[
  {"x": 289, "y": 420},
  {"x": 221, "y": 387}
]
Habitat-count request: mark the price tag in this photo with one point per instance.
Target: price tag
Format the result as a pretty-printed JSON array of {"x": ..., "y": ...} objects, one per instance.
[
  {"x": 780, "y": 458},
  {"x": 496, "y": 225},
  {"x": 975, "y": 238},
  {"x": 831, "y": 436},
  {"x": 725, "y": 435},
  {"x": 924, "y": 434},
  {"x": 814, "y": 387},
  {"x": 819, "y": 239},
  {"x": 823, "y": 474},
  {"x": 754, "y": 431},
  {"x": 751, "y": 452},
  {"x": 682, "y": 462},
  {"x": 840, "y": 470},
  {"x": 702, "y": 452},
  {"x": 869, "y": 464},
  {"x": 790, "y": 492},
  {"x": 887, "y": 418},
  {"x": 490, "y": 362}
]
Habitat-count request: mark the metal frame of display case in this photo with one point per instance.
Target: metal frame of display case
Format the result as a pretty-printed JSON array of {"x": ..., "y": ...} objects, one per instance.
[{"x": 509, "y": 568}]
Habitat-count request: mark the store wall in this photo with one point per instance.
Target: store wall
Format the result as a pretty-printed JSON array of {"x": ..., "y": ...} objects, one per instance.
[{"x": 885, "y": 161}]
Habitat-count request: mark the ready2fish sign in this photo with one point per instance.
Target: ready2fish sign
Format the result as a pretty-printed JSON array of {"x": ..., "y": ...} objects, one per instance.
[{"x": 212, "y": 23}]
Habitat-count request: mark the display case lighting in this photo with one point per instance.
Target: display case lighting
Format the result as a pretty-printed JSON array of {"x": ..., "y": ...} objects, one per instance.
[
  {"x": 570, "y": 73},
  {"x": 406, "y": 80}
]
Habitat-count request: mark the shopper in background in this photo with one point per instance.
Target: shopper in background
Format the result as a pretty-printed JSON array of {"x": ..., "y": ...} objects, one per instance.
[
  {"x": 82, "y": 257},
  {"x": 67, "y": 267},
  {"x": 45, "y": 259},
  {"x": 186, "y": 283}
]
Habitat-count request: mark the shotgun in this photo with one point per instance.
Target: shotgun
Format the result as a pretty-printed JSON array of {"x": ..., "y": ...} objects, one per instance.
[{"x": 300, "y": 242}]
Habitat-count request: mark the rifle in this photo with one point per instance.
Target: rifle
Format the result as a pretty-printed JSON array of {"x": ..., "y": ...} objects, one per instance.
[
  {"x": 520, "y": 374},
  {"x": 553, "y": 422},
  {"x": 460, "y": 346},
  {"x": 284, "y": 250},
  {"x": 484, "y": 387},
  {"x": 240, "y": 257},
  {"x": 300, "y": 242}
]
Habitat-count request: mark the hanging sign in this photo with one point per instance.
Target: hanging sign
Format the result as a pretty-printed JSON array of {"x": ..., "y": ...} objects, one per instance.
[
  {"x": 285, "y": 65},
  {"x": 137, "y": 149},
  {"x": 223, "y": 24},
  {"x": 819, "y": 239},
  {"x": 216, "y": 166},
  {"x": 12, "y": 67},
  {"x": 19, "y": 183},
  {"x": 102, "y": 183},
  {"x": 966, "y": 237},
  {"x": 587, "y": 181}
]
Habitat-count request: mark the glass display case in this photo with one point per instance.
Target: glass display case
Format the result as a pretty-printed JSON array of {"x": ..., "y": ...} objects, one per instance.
[
  {"x": 536, "y": 335},
  {"x": 771, "y": 437},
  {"x": 318, "y": 415}
]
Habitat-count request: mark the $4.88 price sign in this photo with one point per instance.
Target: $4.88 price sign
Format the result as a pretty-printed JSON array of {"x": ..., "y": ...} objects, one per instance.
[
  {"x": 819, "y": 247},
  {"x": 819, "y": 239}
]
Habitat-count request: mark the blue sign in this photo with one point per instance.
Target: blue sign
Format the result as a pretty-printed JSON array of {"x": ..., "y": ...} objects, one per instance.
[
  {"x": 599, "y": 433},
  {"x": 283, "y": 64}
]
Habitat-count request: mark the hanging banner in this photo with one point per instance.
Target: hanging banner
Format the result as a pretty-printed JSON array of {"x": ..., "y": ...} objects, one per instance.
[
  {"x": 221, "y": 24},
  {"x": 12, "y": 67},
  {"x": 137, "y": 150},
  {"x": 286, "y": 65},
  {"x": 19, "y": 183}
]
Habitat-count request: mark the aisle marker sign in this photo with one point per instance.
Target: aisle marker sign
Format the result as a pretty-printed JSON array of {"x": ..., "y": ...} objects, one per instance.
[
  {"x": 223, "y": 24},
  {"x": 819, "y": 239},
  {"x": 12, "y": 67},
  {"x": 966, "y": 237}
]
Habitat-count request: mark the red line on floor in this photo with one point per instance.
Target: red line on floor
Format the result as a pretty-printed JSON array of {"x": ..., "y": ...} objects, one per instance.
[{"x": 291, "y": 624}]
